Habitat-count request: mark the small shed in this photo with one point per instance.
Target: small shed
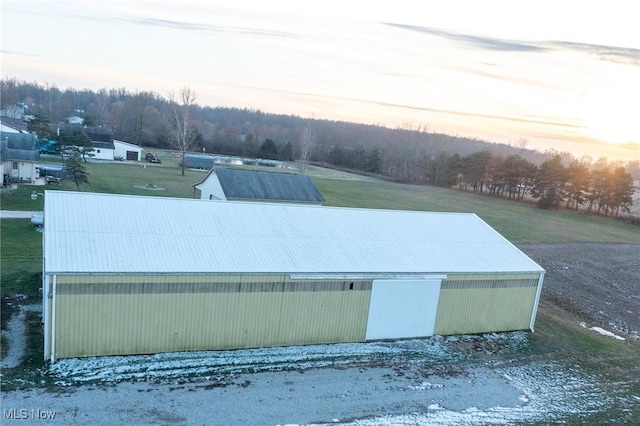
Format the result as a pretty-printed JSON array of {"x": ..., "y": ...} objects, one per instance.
[
  {"x": 138, "y": 275},
  {"x": 126, "y": 151},
  {"x": 222, "y": 183}
]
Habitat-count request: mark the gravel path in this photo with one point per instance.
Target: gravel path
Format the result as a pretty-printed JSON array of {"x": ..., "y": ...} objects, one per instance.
[
  {"x": 16, "y": 336},
  {"x": 402, "y": 394}
]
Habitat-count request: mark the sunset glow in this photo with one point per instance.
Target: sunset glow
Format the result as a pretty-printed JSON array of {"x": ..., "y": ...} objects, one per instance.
[
  {"x": 488, "y": 70},
  {"x": 612, "y": 117}
]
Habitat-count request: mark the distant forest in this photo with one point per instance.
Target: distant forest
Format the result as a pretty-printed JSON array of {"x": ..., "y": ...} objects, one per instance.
[{"x": 411, "y": 155}]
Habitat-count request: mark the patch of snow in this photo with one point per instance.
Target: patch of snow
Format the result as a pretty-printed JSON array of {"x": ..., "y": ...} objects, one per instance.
[
  {"x": 550, "y": 391},
  {"x": 426, "y": 386},
  {"x": 532, "y": 393},
  {"x": 606, "y": 333},
  {"x": 202, "y": 363}
]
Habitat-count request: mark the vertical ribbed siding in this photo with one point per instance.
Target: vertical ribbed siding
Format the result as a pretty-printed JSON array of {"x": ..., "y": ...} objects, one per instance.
[
  {"x": 486, "y": 303},
  {"x": 94, "y": 320}
]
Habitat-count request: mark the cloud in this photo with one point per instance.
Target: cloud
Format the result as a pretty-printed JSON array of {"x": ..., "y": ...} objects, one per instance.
[
  {"x": 505, "y": 76},
  {"x": 488, "y": 43},
  {"x": 622, "y": 55},
  {"x": 195, "y": 26},
  {"x": 537, "y": 120},
  {"x": 183, "y": 25},
  {"x": 11, "y": 52}
]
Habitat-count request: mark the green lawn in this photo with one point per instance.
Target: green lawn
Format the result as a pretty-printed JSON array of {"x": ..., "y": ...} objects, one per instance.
[
  {"x": 517, "y": 221},
  {"x": 21, "y": 251}
]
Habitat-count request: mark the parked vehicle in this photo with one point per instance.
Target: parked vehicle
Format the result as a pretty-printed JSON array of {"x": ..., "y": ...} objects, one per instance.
[
  {"x": 47, "y": 147},
  {"x": 152, "y": 158}
]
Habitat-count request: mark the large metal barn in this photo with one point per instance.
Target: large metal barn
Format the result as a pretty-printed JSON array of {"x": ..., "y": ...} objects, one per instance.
[{"x": 138, "y": 275}]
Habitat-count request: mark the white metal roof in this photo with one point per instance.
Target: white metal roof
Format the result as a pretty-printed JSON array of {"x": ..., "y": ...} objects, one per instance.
[{"x": 106, "y": 233}]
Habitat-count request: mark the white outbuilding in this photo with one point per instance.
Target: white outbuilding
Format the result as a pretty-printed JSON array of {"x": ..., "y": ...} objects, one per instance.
[{"x": 126, "y": 151}]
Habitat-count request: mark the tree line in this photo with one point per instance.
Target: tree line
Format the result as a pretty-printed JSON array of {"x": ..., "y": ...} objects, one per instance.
[
  {"x": 407, "y": 154},
  {"x": 602, "y": 187}
]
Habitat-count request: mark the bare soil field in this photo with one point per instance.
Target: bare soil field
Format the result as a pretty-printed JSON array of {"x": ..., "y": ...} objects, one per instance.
[
  {"x": 499, "y": 378},
  {"x": 597, "y": 282}
]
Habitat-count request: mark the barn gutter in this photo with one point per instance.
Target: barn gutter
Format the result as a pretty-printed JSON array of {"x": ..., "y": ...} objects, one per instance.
[
  {"x": 535, "y": 304},
  {"x": 46, "y": 294},
  {"x": 361, "y": 276},
  {"x": 53, "y": 320}
]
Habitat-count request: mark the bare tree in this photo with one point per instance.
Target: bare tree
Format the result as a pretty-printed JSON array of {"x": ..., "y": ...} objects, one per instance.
[
  {"x": 185, "y": 133},
  {"x": 307, "y": 143},
  {"x": 101, "y": 106}
]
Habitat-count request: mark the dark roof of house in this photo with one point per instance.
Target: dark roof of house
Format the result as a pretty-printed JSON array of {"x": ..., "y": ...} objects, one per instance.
[
  {"x": 260, "y": 185},
  {"x": 96, "y": 133},
  {"x": 18, "y": 147},
  {"x": 15, "y": 123},
  {"x": 24, "y": 141},
  {"x": 103, "y": 145}
]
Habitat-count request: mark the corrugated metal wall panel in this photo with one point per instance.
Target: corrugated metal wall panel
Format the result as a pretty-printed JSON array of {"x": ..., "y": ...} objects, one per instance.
[
  {"x": 484, "y": 304},
  {"x": 107, "y": 323},
  {"x": 324, "y": 317}
]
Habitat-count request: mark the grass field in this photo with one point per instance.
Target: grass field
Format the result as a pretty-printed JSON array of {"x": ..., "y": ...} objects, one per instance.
[{"x": 517, "y": 221}]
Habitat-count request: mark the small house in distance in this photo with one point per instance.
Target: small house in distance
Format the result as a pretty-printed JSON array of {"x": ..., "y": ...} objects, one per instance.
[
  {"x": 18, "y": 158},
  {"x": 222, "y": 183},
  {"x": 140, "y": 275},
  {"x": 102, "y": 138}
]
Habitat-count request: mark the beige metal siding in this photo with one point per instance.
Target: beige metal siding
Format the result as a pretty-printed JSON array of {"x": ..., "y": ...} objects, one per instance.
[
  {"x": 105, "y": 315},
  {"x": 486, "y": 303}
]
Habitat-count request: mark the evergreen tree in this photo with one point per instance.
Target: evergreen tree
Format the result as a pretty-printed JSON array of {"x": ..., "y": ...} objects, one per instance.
[
  {"x": 622, "y": 191},
  {"x": 549, "y": 183},
  {"x": 75, "y": 170},
  {"x": 75, "y": 142},
  {"x": 249, "y": 147},
  {"x": 89, "y": 120},
  {"x": 286, "y": 153},
  {"x": 269, "y": 150},
  {"x": 40, "y": 125},
  {"x": 578, "y": 178}
]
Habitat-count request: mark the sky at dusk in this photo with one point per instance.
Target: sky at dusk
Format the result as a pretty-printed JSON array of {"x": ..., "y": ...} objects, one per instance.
[{"x": 558, "y": 74}]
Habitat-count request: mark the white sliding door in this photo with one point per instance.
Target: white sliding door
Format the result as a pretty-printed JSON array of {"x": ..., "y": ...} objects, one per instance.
[{"x": 402, "y": 308}]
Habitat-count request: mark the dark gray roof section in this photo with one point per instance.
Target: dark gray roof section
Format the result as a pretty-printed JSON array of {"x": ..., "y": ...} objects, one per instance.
[
  {"x": 96, "y": 133},
  {"x": 103, "y": 145},
  {"x": 18, "y": 147},
  {"x": 15, "y": 123},
  {"x": 243, "y": 184}
]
